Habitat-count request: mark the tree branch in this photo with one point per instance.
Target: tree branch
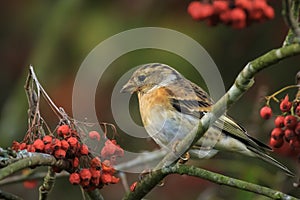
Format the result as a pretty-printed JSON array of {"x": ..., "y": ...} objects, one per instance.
[
  {"x": 32, "y": 160},
  {"x": 207, "y": 175},
  {"x": 225, "y": 180},
  {"x": 290, "y": 12}
]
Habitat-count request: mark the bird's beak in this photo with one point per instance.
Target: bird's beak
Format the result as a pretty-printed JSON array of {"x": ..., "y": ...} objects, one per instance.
[{"x": 128, "y": 88}]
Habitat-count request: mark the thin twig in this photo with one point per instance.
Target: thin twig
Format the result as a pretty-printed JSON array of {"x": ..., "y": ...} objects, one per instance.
[
  {"x": 47, "y": 185},
  {"x": 290, "y": 14},
  {"x": 273, "y": 96},
  {"x": 44, "y": 93}
]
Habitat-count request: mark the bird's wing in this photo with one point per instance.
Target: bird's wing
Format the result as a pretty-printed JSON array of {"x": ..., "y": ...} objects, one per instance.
[
  {"x": 189, "y": 99},
  {"x": 233, "y": 129},
  {"x": 193, "y": 100}
]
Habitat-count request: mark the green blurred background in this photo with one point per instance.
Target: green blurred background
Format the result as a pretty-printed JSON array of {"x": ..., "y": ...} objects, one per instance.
[{"x": 56, "y": 36}]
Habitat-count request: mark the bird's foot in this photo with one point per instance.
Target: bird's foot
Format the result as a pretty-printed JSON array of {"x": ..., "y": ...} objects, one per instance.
[{"x": 184, "y": 158}]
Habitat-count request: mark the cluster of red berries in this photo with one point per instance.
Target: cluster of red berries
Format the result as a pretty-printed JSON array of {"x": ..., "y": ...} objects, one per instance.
[
  {"x": 235, "y": 13},
  {"x": 98, "y": 174},
  {"x": 285, "y": 137},
  {"x": 88, "y": 171}
]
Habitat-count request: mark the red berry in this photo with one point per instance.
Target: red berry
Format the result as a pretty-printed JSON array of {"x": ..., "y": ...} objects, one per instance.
[
  {"x": 48, "y": 148},
  {"x": 72, "y": 141},
  {"x": 74, "y": 178},
  {"x": 290, "y": 121},
  {"x": 294, "y": 143},
  {"x": 259, "y": 4},
  {"x": 47, "y": 139},
  {"x": 108, "y": 149},
  {"x": 75, "y": 162},
  {"x": 15, "y": 146},
  {"x": 114, "y": 179},
  {"x": 63, "y": 130},
  {"x": 225, "y": 16},
  {"x": 266, "y": 112},
  {"x": 269, "y": 12},
  {"x": 38, "y": 145},
  {"x": 297, "y": 111},
  {"x": 289, "y": 134},
  {"x": 64, "y": 145},
  {"x": 30, "y": 184},
  {"x": 277, "y": 133},
  {"x": 237, "y": 15},
  {"x": 23, "y": 146},
  {"x": 84, "y": 150},
  {"x": 96, "y": 174},
  {"x": 56, "y": 144},
  {"x": 200, "y": 11},
  {"x": 133, "y": 186},
  {"x": 279, "y": 121},
  {"x": 256, "y": 12},
  {"x": 237, "y": 18},
  {"x": 107, "y": 167},
  {"x": 106, "y": 178},
  {"x": 95, "y": 162},
  {"x": 30, "y": 148},
  {"x": 60, "y": 153},
  {"x": 85, "y": 174},
  {"x": 219, "y": 6},
  {"x": 245, "y": 4},
  {"x": 276, "y": 143},
  {"x": 297, "y": 129},
  {"x": 94, "y": 135},
  {"x": 285, "y": 104}
]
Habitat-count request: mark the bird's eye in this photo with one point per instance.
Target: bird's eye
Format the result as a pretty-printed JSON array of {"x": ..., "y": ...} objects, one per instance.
[{"x": 141, "y": 77}]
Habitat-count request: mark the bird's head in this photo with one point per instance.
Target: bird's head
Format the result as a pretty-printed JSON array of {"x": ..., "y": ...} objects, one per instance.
[{"x": 149, "y": 76}]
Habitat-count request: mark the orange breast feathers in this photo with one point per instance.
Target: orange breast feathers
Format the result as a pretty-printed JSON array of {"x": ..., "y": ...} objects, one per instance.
[
  {"x": 152, "y": 101},
  {"x": 155, "y": 97}
]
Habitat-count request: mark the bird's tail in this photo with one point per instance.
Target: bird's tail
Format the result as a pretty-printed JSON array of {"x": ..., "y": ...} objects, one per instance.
[{"x": 270, "y": 160}]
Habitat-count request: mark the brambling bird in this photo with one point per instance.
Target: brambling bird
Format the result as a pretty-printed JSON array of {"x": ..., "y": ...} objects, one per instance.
[{"x": 171, "y": 107}]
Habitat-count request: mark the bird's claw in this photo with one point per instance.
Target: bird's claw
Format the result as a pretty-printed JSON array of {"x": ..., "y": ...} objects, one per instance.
[{"x": 184, "y": 158}]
